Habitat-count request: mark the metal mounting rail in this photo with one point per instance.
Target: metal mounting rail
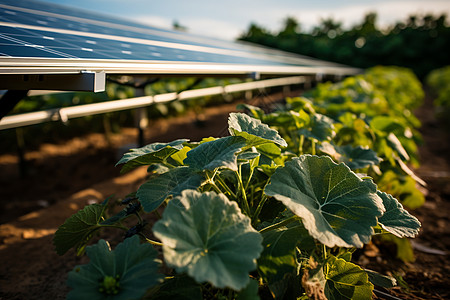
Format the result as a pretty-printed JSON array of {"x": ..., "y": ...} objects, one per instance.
[{"x": 66, "y": 113}]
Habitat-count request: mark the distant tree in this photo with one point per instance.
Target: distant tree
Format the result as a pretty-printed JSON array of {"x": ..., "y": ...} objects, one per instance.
[
  {"x": 328, "y": 27},
  {"x": 177, "y": 26}
]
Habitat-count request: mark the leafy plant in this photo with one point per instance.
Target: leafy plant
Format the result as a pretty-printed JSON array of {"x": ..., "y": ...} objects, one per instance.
[{"x": 240, "y": 215}]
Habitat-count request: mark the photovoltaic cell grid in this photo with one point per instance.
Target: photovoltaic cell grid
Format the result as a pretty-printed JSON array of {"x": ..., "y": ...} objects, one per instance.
[{"x": 32, "y": 29}]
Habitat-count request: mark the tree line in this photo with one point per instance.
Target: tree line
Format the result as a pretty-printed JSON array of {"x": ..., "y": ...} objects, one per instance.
[{"x": 420, "y": 43}]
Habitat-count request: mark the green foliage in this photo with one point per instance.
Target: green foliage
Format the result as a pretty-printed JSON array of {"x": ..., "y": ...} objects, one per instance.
[
  {"x": 206, "y": 235},
  {"x": 256, "y": 213},
  {"x": 124, "y": 273},
  {"x": 396, "y": 219},
  {"x": 419, "y": 42},
  {"x": 346, "y": 280},
  {"x": 439, "y": 82},
  {"x": 335, "y": 205},
  {"x": 150, "y": 154},
  {"x": 171, "y": 183},
  {"x": 78, "y": 229}
]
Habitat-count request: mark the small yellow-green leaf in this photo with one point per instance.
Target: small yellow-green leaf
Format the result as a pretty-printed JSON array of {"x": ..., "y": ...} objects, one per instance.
[{"x": 346, "y": 280}]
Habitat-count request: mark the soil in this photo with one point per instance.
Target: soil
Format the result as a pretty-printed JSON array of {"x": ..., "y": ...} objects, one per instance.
[{"x": 63, "y": 177}]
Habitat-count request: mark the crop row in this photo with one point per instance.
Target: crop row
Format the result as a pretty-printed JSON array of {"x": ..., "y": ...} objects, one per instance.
[{"x": 276, "y": 209}]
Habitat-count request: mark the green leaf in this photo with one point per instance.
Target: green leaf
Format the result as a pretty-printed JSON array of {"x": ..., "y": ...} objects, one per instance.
[
  {"x": 320, "y": 128},
  {"x": 220, "y": 153},
  {"x": 354, "y": 157},
  {"x": 207, "y": 236},
  {"x": 395, "y": 144},
  {"x": 78, "y": 228},
  {"x": 150, "y": 154},
  {"x": 381, "y": 280},
  {"x": 254, "y": 110},
  {"x": 279, "y": 255},
  {"x": 404, "y": 188},
  {"x": 253, "y": 130},
  {"x": 396, "y": 219},
  {"x": 125, "y": 273},
  {"x": 346, "y": 281},
  {"x": 157, "y": 189},
  {"x": 337, "y": 207},
  {"x": 250, "y": 292}
]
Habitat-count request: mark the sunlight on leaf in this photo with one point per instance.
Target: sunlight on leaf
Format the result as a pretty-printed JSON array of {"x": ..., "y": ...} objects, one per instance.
[
  {"x": 346, "y": 280},
  {"x": 150, "y": 154},
  {"x": 253, "y": 130},
  {"x": 219, "y": 153}
]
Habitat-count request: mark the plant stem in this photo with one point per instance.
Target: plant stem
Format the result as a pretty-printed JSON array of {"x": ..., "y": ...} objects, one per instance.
[
  {"x": 156, "y": 212},
  {"x": 300, "y": 146},
  {"x": 260, "y": 206},
  {"x": 313, "y": 147},
  {"x": 279, "y": 224},
  {"x": 153, "y": 242},
  {"x": 242, "y": 192},
  {"x": 225, "y": 186}
]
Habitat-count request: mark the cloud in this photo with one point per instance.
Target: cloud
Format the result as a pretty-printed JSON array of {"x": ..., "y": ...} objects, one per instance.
[{"x": 156, "y": 21}]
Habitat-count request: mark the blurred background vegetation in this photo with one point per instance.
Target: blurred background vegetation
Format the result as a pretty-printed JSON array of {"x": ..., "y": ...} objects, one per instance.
[{"x": 420, "y": 43}]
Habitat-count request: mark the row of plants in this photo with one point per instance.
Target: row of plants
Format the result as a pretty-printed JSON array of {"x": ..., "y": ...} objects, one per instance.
[
  {"x": 112, "y": 122},
  {"x": 268, "y": 212},
  {"x": 439, "y": 81}
]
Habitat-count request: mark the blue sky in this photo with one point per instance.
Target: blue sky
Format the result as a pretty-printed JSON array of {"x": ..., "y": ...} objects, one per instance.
[{"x": 226, "y": 19}]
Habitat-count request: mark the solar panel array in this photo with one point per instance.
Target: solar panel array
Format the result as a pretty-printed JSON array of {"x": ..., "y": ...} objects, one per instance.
[{"x": 48, "y": 38}]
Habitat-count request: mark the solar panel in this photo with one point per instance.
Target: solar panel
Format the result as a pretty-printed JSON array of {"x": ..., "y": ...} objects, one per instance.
[{"x": 41, "y": 38}]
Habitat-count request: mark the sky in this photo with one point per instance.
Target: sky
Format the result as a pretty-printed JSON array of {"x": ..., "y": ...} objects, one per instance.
[{"x": 227, "y": 19}]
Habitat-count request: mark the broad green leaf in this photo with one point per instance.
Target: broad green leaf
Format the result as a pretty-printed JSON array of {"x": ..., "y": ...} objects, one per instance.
[
  {"x": 381, "y": 280},
  {"x": 177, "y": 288},
  {"x": 150, "y": 154},
  {"x": 337, "y": 207},
  {"x": 396, "y": 219},
  {"x": 219, "y": 153},
  {"x": 250, "y": 292},
  {"x": 253, "y": 130},
  {"x": 124, "y": 273},
  {"x": 78, "y": 228},
  {"x": 157, "y": 189},
  {"x": 320, "y": 128},
  {"x": 279, "y": 255},
  {"x": 207, "y": 236},
  {"x": 346, "y": 280},
  {"x": 354, "y": 157}
]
